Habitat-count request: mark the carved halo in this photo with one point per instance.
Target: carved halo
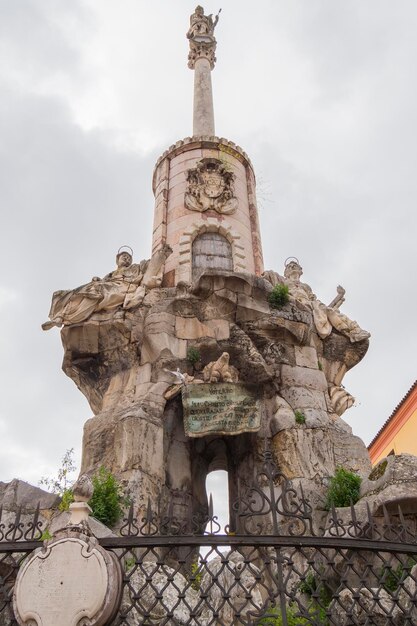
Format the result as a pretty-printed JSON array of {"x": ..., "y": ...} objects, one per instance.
[
  {"x": 127, "y": 249},
  {"x": 291, "y": 259}
]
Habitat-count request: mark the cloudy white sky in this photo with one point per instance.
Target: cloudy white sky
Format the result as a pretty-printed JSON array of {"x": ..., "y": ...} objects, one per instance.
[{"x": 320, "y": 93}]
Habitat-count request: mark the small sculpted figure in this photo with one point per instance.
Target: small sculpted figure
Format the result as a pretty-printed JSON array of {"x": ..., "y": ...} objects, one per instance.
[
  {"x": 325, "y": 317},
  {"x": 201, "y": 24},
  {"x": 83, "y": 489},
  {"x": 220, "y": 371},
  {"x": 120, "y": 288}
]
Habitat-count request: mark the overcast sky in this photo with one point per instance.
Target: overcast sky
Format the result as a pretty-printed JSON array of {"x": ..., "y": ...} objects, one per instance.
[{"x": 320, "y": 94}]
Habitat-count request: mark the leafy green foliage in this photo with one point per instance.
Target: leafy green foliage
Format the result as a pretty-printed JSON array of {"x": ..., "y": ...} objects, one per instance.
[
  {"x": 316, "y": 589},
  {"x": 308, "y": 585},
  {"x": 343, "y": 489},
  {"x": 193, "y": 355},
  {"x": 196, "y": 576},
  {"x": 67, "y": 498},
  {"x": 108, "y": 498},
  {"x": 45, "y": 536},
  {"x": 392, "y": 577},
  {"x": 316, "y": 616},
  {"x": 61, "y": 485},
  {"x": 300, "y": 418},
  {"x": 279, "y": 296}
]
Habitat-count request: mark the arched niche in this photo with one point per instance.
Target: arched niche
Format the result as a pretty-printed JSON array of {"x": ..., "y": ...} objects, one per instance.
[{"x": 211, "y": 250}]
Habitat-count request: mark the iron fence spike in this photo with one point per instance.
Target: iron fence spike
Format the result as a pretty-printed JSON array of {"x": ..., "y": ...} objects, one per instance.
[{"x": 210, "y": 512}]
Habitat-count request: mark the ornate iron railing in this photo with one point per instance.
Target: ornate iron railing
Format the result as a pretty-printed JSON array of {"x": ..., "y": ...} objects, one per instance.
[{"x": 277, "y": 567}]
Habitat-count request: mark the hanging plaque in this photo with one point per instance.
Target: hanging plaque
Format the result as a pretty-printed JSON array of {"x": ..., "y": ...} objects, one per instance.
[{"x": 221, "y": 409}]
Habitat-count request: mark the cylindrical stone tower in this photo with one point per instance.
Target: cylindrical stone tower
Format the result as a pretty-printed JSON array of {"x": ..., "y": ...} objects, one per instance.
[{"x": 204, "y": 186}]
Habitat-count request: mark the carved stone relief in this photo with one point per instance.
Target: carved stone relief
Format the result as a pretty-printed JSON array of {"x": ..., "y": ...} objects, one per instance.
[{"x": 211, "y": 186}]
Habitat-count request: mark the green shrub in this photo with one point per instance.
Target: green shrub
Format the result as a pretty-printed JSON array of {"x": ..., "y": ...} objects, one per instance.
[
  {"x": 279, "y": 296},
  {"x": 300, "y": 418},
  {"x": 343, "y": 489},
  {"x": 193, "y": 355},
  {"x": 108, "y": 499}
]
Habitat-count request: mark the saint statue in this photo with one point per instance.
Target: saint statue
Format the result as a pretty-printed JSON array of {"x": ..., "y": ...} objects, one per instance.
[
  {"x": 124, "y": 287},
  {"x": 201, "y": 24},
  {"x": 325, "y": 317}
]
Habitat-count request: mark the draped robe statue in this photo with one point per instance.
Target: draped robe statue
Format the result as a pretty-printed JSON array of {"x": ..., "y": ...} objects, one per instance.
[
  {"x": 325, "y": 317},
  {"x": 124, "y": 287}
]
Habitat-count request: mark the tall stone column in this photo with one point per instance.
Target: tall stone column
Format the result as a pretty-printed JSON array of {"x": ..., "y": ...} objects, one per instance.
[
  {"x": 201, "y": 59},
  {"x": 203, "y": 114}
]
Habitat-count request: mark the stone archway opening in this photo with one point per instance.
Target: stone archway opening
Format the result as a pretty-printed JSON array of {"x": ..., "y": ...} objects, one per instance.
[{"x": 217, "y": 484}]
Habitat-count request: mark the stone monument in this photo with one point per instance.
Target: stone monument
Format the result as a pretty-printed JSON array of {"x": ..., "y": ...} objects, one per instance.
[{"x": 186, "y": 365}]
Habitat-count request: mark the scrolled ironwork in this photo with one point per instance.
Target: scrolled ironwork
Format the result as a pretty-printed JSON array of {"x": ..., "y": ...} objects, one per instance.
[{"x": 274, "y": 568}]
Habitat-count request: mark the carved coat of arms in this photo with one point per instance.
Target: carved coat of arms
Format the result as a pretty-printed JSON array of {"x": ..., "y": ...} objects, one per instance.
[{"x": 210, "y": 186}]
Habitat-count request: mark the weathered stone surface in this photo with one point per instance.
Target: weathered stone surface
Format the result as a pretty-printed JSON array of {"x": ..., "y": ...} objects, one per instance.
[
  {"x": 160, "y": 344},
  {"x": 249, "y": 309},
  {"x": 306, "y": 356},
  {"x": 239, "y": 581},
  {"x": 165, "y": 584},
  {"x": 303, "y": 452},
  {"x": 360, "y": 604},
  {"x": 122, "y": 361},
  {"x": 397, "y": 486},
  {"x": 303, "y": 377},
  {"x": 18, "y": 493},
  {"x": 192, "y": 328},
  {"x": 316, "y": 452},
  {"x": 302, "y": 398},
  {"x": 129, "y": 435}
]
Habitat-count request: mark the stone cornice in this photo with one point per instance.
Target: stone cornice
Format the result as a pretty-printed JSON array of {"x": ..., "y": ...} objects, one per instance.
[{"x": 214, "y": 143}]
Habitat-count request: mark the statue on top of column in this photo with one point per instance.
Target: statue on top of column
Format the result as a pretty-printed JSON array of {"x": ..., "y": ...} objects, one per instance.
[{"x": 201, "y": 24}]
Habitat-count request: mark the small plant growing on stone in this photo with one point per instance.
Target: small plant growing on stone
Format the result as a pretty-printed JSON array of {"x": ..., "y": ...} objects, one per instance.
[
  {"x": 275, "y": 618},
  {"x": 67, "y": 498},
  {"x": 279, "y": 296},
  {"x": 378, "y": 470},
  {"x": 320, "y": 365},
  {"x": 300, "y": 418},
  {"x": 61, "y": 485},
  {"x": 193, "y": 355},
  {"x": 343, "y": 489},
  {"x": 108, "y": 498},
  {"x": 45, "y": 536}
]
